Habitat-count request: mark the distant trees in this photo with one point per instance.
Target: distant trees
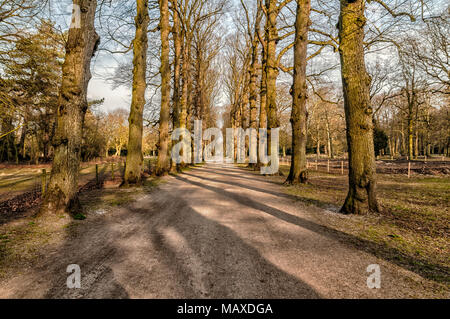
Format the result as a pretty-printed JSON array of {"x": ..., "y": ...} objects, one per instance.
[
  {"x": 432, "y": 50},
  {"x": 116, "y": 131},
  {"x": 386, "y": 102}
]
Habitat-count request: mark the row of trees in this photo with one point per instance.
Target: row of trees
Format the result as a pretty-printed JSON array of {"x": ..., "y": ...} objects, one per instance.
[
  {"x": 275, "y": 64},
  {"x": 30, "y": 84}
]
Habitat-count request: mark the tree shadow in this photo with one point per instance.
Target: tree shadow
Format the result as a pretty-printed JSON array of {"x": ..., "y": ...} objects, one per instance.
[
  {"x": 428, "y": 270},
  {"x": 256, "y": 189},
  {"x": 309, "y": 201},
  {"x": 209, "y": 260},
  {"x": 241, "y": 176},
  {"x": 184, "y": 243},
  {"x": 93, "y": 254}
]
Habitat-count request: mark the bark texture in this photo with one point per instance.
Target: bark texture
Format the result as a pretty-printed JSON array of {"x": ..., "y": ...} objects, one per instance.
[
  {"x": 178, "y": 39},
  {"x": 140, "y": 45},
  {"x": 358, "y": 112},
  {"x": 271, "y": 35},
  {"x": 61, "y": 195},
  {"x": 178, "y": 46},
  {"x": 163, "y": 164},
  {"x": 298, "y": 172}
]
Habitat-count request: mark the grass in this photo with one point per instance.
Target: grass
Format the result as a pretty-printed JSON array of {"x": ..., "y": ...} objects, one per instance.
[
  {"x": 15, "y": 181},
  {"x": 413, "y": 228},
  {"x": 22, "y": 240}
]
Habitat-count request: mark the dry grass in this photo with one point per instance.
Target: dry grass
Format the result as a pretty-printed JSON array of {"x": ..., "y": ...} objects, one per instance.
[
  {"x": 22, "y": 240},
  {"x": 413, "y": 228}
]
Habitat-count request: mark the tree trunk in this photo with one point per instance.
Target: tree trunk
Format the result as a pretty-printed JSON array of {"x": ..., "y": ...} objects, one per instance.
[
  {"x": 410, "y": 138},
  {"x": 358, "y": 112},
  {"x": 140, "y": 45},
  {"x": 61, "y": 195},
  {"x": 178, "y": 45},
  {"x": 7, "y": 142},
  {"x": 253, "y": 73},
  {"x": 298, "y": 171},
  {"x": 163, "y": 164},
  {"x": 21, "y": 146},
  {"x": 262, "y": 97},
  {"x": 318, "y": 144},
  {"x": 329, "y": 137},
  {"x": 245, "y": 102},
  {"x": 271, "y": 70},
  {"x": 178, "y": 53}
]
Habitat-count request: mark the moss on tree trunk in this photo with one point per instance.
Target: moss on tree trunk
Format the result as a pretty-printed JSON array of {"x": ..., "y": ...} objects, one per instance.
[
  {"x": 61, "y": 195},
  {"x": 358, "y": 112},
  {"x": 140, "y": 45},
  {"x": 298, "y": 171},
  {"x": 163, "y": 164}
]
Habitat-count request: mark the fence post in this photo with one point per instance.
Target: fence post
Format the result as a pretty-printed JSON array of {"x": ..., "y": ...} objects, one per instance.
[
  {"x": 44, "y": 182},
  {"x": 342, "y": 167},
  {"x": 317, "y": 167},
  {"x": 328, "y": 166},
  {"x": 112, "y": 171}
]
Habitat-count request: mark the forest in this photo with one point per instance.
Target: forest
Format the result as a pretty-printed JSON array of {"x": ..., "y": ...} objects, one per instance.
[{"x": 92, "y": 91}]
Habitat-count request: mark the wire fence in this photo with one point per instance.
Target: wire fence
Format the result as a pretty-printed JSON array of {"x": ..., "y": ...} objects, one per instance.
[{"x": 424, "y": 166}]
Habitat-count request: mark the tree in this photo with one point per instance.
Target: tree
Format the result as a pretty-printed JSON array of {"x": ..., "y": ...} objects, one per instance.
[
  {"x": 140, "y": 45},
  {"x": 253, "y": 65},
  {"x": 34, "y": 71},
  {"x": 116, "y": 130},
  {"x": 16, "y": 17},
  {"x": 380, "y": 140},
  {"x": 82, "y": 42},
  {"x": 432, "y": 50},
  {"x": 298, "y": 170},
  {"x": 178, "y": 47},
  {"x": 358, "y": 111},
  {"x": 271, "y": 10},
  {"x": 163, "y": 164}
]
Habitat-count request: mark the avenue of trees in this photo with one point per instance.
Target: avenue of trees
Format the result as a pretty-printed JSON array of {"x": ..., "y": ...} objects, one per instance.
[{"x": 351, "y": 77}]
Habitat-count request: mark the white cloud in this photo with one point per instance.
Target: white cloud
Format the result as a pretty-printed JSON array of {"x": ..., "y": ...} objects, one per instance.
[{"x": 114, "y": 98}]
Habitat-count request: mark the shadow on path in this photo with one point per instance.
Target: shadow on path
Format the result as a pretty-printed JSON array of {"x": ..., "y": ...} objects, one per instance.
[{"x": 391, "y": 254}]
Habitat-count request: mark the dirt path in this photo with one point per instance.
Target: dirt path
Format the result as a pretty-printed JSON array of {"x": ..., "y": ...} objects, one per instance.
[{"x": 212, "y": 232}]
